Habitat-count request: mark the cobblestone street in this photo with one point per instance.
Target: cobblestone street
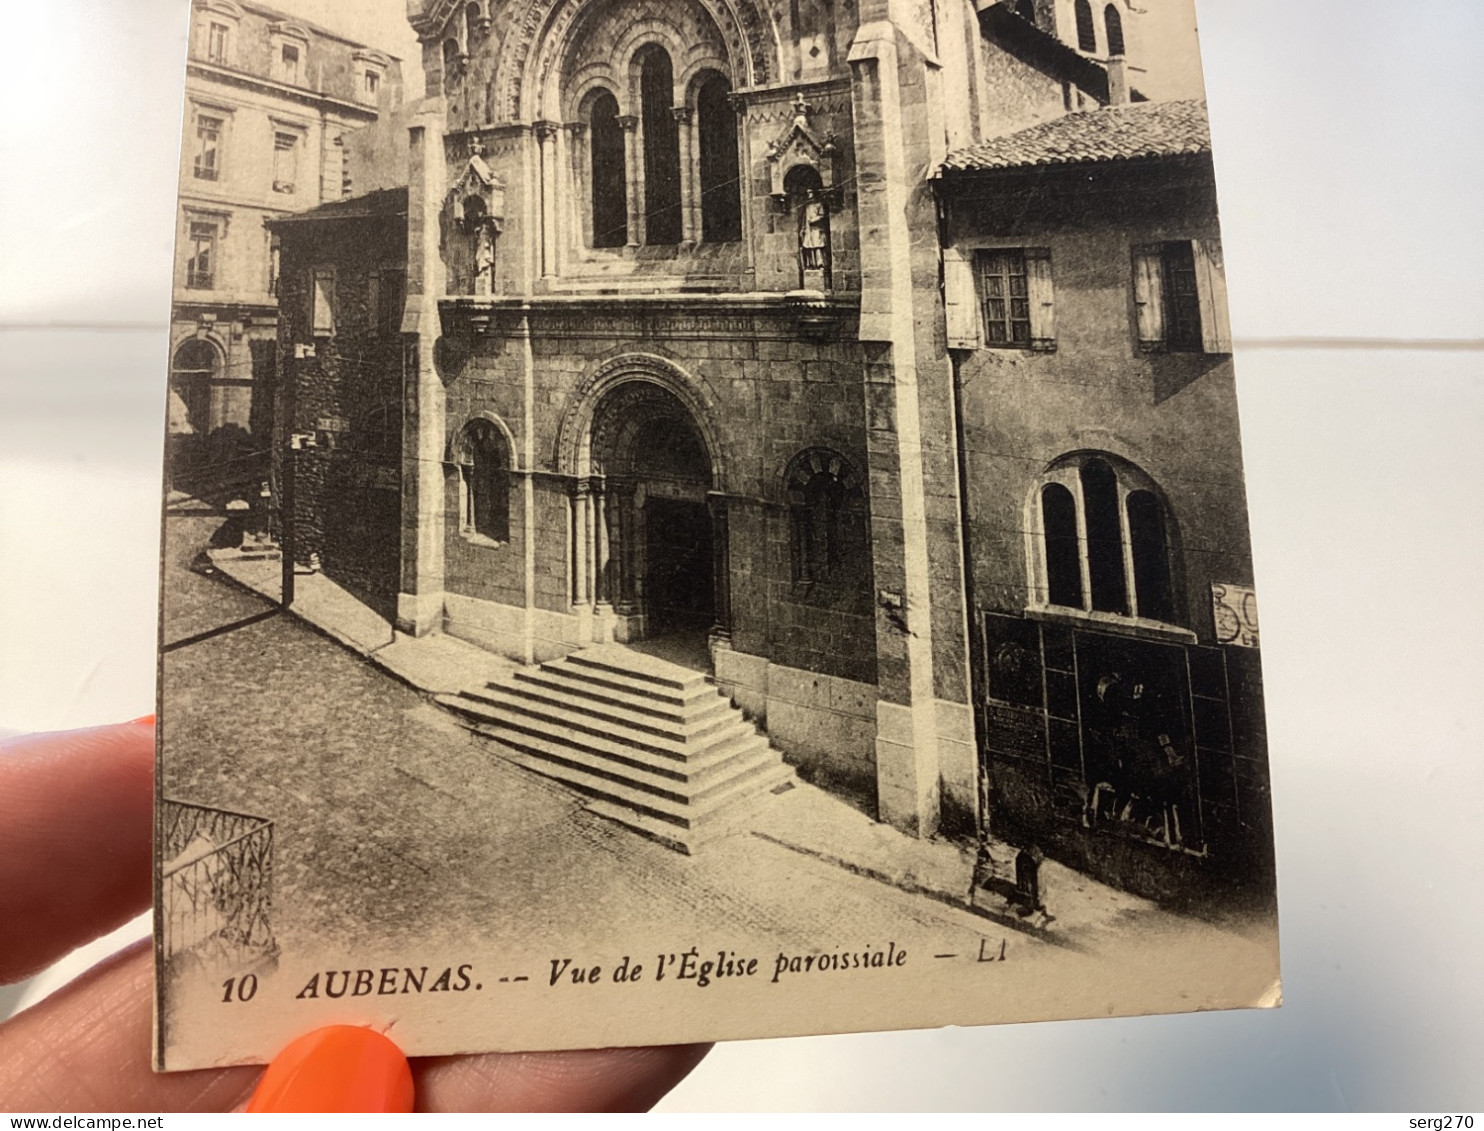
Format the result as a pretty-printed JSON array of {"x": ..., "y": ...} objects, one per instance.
[
  {"x": 403, "y": 833},
  {"x": 404, "y": 826}
]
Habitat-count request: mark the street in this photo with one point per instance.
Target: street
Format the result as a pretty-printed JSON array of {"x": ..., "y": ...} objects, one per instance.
[
  {"x": 402, "y": 817},
  {"x": 398, "y": 833}
]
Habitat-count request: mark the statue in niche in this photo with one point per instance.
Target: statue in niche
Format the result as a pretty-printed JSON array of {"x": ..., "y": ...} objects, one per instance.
[
  {"x": 484, "y": 259},
  {"x": 476, "y": 210},
  {"x": 808, "y": 200}
]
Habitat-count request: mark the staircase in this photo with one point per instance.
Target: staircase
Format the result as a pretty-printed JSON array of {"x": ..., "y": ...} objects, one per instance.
[{"x": 654, "y": 745}]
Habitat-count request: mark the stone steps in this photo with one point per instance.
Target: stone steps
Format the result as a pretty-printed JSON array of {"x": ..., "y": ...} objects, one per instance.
[{"x": 654, "y": 745}]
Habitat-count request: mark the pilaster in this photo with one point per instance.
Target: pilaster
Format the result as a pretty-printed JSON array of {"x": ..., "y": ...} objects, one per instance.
[{"x": 420, "y": 596}]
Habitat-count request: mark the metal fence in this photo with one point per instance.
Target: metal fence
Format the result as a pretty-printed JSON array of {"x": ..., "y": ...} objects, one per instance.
[{"x": 216, "y": 886}]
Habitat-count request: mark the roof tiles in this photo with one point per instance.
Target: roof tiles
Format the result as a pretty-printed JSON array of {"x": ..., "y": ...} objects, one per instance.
[{"x": 1115, "y": 133}]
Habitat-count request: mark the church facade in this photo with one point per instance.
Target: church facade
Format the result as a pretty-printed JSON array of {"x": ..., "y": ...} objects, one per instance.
[
  {"x": 721, "y": 337},
  {"x": 688, "y": 341}
]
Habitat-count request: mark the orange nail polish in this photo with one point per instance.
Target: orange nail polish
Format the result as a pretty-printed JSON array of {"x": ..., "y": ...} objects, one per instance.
[
  {"x": 340, "y": 1068},
  {"x": 143, "y": 721}
]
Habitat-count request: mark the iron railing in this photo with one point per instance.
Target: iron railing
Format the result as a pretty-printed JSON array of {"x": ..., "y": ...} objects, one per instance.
[{"x": 216, "y": 885}]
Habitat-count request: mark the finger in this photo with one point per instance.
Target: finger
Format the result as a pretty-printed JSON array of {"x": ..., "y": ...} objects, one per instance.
[
  {"x": 87, "y": 1048},
  {"x": 592, "y": 1080},
  {"x": 74, "y": 840}
]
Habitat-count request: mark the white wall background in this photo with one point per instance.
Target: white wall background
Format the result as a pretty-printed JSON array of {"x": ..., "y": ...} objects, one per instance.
[{"x": 1348, "y": 156}]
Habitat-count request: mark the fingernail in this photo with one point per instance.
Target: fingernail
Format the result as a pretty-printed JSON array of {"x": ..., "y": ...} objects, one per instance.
[
  {"x": 143, "y": 721},
  {"x": 341, "y": 1068}
]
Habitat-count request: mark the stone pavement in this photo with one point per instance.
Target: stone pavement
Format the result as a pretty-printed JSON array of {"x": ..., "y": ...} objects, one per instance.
[
  {"x": 804, "y": 819},
  {"x": 437, "y": 664}
]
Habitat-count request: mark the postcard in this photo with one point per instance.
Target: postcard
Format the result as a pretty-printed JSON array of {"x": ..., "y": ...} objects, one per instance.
[{"x": 701, "y": 519}]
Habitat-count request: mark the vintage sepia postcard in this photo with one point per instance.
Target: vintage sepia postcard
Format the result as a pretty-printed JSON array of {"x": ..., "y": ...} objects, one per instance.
[{"x": 701, "y": 519}]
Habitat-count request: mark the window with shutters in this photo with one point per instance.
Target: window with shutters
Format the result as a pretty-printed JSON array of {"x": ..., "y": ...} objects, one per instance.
[
  {"x": 322, "y": 302},
  {"x": 201, "y": 241},
  {"x": 1180, "y": 297},
  {"x": 215, "y": 31},
  {"x": 207, "y": 165},
  {"x": 218, "y": 37},
  {"x": 1101, "y": 542},
  {"x": 285, "y": 161},
  {"x": 999, "y": 298}
]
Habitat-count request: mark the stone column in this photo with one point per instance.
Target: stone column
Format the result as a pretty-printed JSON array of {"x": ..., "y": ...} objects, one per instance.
[
  {"x": 603, "y": 589},
  {"x": 633, "y": 151},
  {"x": 721, "y": 567},
  {"x": 690, "y": 188},
  {"x": 420, "y": 592},
  {"x": 546, "y": 141},
  {"x": 575, "y": 167},
  {"x": 602, "y": 566},
  {"x": 580, "y": 535}
]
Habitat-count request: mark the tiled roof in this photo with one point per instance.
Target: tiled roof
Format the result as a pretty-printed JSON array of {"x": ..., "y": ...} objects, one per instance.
[
  {"x": 382, "y": 202},
  {"x": 1115, "y": 133}
]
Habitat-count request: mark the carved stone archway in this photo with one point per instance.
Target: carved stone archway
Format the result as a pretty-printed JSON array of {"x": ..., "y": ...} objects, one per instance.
[{"x": 648, "y": 513}]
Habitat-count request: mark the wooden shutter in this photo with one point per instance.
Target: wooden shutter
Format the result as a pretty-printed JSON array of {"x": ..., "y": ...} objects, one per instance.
[
  {"x": 1149, "y": 296},
  {"x": 961, "y": 301},
  {"x": 323, "y": 312},
  {"x": 1210, "y": 283},
  {"x": 1039, "y": 294}
]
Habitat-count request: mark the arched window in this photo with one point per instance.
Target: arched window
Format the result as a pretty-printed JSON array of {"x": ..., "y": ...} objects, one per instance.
[
  {"x": 828, "y": 536},
  {"x": 662, "y": 220},
  {"x": 1113, "y": 24},
  {"x": 452, "y": 52},
  {"x": 1087, "y": 35},
  {"x": 721, "y": 187},
  {"x": 808, "y": 204},
  {"x": 1151, "y": 555},
  {"x": 1104, "y": 537},
  {"x": 483, "y": 457},
  {"x": 1103, "y": 540},
  {"x": 1063, "y": 551},
  {"x": 196, "y": 367},
  {"x": 609, "y": 178}
]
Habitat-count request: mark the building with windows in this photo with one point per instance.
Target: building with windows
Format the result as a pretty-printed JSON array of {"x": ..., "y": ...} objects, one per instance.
[
  {"x": 739, "y": 328},
  {"x": 1105, "y": 512},
  {"x": 272, "y": 106}
]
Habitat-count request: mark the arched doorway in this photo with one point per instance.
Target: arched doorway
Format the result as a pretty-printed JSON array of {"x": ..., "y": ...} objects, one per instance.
[
  {"x": 666, "y": 545},
  {"x": 195, "y": 371}
]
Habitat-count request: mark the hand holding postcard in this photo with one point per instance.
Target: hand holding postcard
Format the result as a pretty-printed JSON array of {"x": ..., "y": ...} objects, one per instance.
[{"x": 702, "y": 519}]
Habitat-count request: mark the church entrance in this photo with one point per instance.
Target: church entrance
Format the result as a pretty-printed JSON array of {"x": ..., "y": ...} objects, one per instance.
[
  {"x": 665, "y": 528},
  {"x": 678, "y": 580}
]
